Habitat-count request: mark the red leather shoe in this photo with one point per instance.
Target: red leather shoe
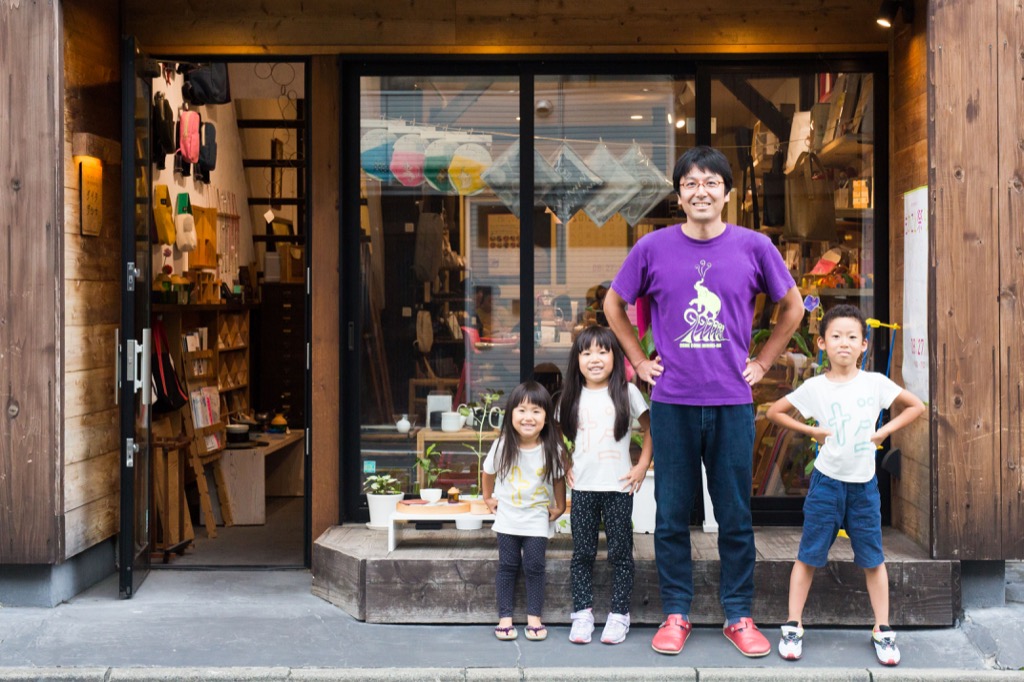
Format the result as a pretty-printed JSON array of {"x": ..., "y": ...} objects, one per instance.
[
  {"x": 671, "y": 636},
  {"x": 747, "y": 638}
]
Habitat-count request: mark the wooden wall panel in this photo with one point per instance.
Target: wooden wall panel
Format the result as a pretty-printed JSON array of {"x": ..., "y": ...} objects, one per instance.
[
  {"x": 963, "y": 216},
  {"x": 528, "y": 26},
  {"x": 91, "y": 523},
  {"x": 1010, "y": 190},
  {"x": 325, "y": 143},
  {"x": 92, "y": 287},
  {"x": 908, "y": 169},
  {"x": 30, "y": 218}
]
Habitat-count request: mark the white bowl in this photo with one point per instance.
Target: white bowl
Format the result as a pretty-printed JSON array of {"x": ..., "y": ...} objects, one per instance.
[
  {"x": 431, "y": 495},
  {"x": 468, "y": 522}
]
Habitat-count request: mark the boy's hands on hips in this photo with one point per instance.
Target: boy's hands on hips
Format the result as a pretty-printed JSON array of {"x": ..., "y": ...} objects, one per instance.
[{"x": 819, "y": 434}]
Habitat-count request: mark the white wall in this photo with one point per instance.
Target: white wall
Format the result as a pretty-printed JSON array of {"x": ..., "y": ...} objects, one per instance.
[{"x": 228, "y": 178}]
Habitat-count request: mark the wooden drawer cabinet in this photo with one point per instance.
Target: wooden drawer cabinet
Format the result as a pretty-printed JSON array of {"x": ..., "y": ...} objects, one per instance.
[{"x": 280, "y": 351}]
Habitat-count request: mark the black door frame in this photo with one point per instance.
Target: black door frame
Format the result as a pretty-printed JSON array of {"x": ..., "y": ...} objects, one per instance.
[{"x": 703, "y": 69}]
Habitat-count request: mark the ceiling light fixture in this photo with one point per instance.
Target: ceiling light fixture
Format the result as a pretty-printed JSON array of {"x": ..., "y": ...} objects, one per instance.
[
  {"x": 636, "y": 117},
  {"x": 890, "y": 8}
]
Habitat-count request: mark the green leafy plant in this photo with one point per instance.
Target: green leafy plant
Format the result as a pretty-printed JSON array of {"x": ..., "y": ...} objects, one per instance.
[
  {"x": 430, "y": 463},
  {"x": 487, "y": 400},
  {"x": 800, "y": 340},
  {"x": 382, "y": 484}
]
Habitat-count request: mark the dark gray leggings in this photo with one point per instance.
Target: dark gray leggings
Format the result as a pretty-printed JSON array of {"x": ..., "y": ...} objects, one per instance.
[{"x": 513, "y": 551}]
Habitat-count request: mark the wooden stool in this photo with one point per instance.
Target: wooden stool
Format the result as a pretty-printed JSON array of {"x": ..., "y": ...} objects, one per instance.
[{"x": 173, "y": 521}]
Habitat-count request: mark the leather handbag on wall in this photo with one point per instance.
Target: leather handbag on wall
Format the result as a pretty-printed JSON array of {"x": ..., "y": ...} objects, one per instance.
[
  {"x": 168, "y": 394},
  {"x": 184, "y": 225},
  {"x": 163, "y": 214},
  {"x": 810, "y": 206},
  {"x": 205, "y": 254}
]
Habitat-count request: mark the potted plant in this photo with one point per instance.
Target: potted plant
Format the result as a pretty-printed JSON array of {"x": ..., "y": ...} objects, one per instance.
[
  {"x": 486, "y": 415},
  {"x": 383, "y": 492},
  {"x": 430, "y": 464}
]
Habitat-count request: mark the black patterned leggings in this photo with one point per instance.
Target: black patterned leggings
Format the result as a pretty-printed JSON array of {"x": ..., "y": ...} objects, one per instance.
[
  {"x": 587, "y": 509},
  {"x": 513, "y": 551}
]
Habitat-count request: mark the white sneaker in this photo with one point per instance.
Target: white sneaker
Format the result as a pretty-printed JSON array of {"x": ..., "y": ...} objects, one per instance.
[
  {"x": 615, "y": 628},
  {"x": 791, "y": 646},
  {"x": 582, "y": 626},
  {"x": 885, "y": 646}
]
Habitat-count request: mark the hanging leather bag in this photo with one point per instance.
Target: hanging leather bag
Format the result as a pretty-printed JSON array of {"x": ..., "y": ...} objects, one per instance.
[
  {"x": 427, "y": 256},
  {"x": 810, "y": 206},
  {"x": 185, "y": 225},
  {"x": 774, "y": 184},
  {"x": 167, "y": 390},
  {"x": 163, "y": 214}
]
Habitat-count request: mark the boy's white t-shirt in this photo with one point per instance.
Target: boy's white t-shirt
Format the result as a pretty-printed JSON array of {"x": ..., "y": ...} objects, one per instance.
[
  {"x": 598, "y": 460},
  {"x": 850, "y": 410},
  {"x": 523, "y": 495}
]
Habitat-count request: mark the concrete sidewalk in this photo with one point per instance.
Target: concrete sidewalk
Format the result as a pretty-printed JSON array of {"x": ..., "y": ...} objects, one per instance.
[{"x": 265, "y": 625}]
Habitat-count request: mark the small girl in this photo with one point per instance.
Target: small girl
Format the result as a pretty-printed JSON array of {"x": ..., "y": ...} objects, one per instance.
[
  {"x": 524, "y": 487},
  {"x": 597, "y": 408}
]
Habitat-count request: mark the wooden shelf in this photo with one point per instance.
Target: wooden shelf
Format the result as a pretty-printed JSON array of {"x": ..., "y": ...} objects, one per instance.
[{"x": 848, "y": 150}]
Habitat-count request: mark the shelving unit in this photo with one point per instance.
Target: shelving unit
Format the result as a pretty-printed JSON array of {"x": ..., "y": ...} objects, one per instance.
[{"x": 228, "y": 339}]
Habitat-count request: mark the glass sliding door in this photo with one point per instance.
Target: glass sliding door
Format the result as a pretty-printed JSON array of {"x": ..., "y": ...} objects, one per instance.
[
  {"x": 605, "y": 148},
  {"x": 439, "y": 266},
  {"x": 802, "y": 152},
  {"x": 495, "y": 210}
]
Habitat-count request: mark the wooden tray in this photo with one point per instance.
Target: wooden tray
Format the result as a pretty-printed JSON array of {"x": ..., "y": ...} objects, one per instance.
[{"x": 439, "y": 508}]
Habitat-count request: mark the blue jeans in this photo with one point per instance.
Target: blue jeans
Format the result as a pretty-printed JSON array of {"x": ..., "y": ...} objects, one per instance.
[{"x": 723, "y": 437}]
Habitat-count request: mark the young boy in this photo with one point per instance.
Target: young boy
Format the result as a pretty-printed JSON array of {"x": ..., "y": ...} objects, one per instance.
[{"x": 845, "y": 402}]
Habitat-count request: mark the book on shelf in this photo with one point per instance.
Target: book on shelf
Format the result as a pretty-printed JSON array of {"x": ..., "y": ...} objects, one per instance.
[{"x": 205, "y": 403}]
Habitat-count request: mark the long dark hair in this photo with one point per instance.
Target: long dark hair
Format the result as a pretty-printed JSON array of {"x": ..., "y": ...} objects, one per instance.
[
  {"x": 569, "y": 402},
  {"x": 550, "y": 438}
]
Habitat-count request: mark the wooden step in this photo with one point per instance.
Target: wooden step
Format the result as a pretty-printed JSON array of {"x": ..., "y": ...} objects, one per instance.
[{"x": 447, "y": 576}]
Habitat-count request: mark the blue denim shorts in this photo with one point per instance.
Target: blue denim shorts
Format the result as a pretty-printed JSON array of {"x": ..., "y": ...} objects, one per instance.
[{"x": 831, "y": 505}]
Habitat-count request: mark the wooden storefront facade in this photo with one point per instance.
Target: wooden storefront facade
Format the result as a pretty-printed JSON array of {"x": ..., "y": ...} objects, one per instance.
[{"x": 955, "y": 92}]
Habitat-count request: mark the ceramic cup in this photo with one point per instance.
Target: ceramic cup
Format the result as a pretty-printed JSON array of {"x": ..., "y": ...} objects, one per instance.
[{"x": 451, "y": 421}]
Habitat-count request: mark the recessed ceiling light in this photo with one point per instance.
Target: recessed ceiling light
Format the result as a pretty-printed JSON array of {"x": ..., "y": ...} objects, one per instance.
[
  {"x": 637, "y": 117},
  {"x": 681, "y": 123}
]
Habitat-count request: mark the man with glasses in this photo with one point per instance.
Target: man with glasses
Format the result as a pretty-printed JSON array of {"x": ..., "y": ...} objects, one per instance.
[{"x": 701, "y": 278}]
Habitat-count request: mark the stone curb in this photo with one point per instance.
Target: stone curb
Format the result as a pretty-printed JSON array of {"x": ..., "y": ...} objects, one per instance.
[{"x": 673, "y": 674}]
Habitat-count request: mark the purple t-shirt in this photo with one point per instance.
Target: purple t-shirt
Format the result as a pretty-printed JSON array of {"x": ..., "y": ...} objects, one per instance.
[{"x": 702, "y": 307}]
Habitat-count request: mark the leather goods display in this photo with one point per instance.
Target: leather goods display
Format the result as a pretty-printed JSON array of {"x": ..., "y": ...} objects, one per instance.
[
  {"x": 163, "y": 214},
  {"x": 207, "y": 84},
  {"x": 810, "y": 206},
  {"x": 184, "y": 225},
  {"x": 205, "y": 254},
  {"x": 167, "y": 390}
]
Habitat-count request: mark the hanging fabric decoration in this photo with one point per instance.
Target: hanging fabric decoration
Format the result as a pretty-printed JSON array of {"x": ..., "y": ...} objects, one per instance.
[
  {"x": 438, "y": 157},
  {"x": 617, "y": 189},
  {"x": 469, "y": 161},
  {"x": 654, "y": 186},
  {"x": 407, "y": 160},
  {"x": 375, "y": 150},
  {"x": 576, "y": 184},
  {"x": 503, "y": 177}
]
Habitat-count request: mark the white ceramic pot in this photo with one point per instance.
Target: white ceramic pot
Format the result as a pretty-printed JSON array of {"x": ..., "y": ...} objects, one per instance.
[
  {"x": 468, "y": 522},
  {"x": 431, "y": 495},
  {"x": 403, "y": 425},
  {"x": 381, "y": 508},
  {"x": 452, "y": 421}
]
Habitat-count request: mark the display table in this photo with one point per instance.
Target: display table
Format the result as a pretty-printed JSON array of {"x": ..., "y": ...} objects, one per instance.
[
  {"x": 465, "y": 436},
  {"x": 402, "y": 518},
  {"x": 251, "y": 474}
]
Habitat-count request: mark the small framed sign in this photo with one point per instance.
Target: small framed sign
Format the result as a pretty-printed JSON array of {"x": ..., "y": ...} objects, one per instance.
[{"x": 90, "y": 183}]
